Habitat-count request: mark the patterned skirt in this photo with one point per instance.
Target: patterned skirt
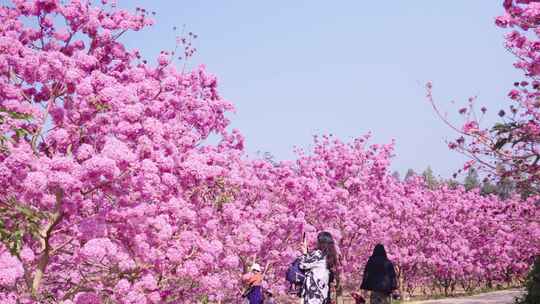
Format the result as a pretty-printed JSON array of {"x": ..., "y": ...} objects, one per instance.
[{"x": 379, "y": 298}]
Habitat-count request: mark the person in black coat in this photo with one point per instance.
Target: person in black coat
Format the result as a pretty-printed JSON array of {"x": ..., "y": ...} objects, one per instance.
[{"x": 379, "y": 276}]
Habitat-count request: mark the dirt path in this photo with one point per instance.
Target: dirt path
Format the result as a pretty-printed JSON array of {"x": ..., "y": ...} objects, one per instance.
[{"x": 496, "y": 297}]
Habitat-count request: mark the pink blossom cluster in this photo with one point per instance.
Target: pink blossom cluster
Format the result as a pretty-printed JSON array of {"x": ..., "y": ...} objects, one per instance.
[{"x": 110, "y": 193}]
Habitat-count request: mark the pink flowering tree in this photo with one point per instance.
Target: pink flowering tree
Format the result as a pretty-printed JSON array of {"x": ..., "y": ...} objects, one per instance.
[
  {"x": 109, "y": 192},
  {"x": 509, "y": 149},
  {"x": 101, "y": 160}
]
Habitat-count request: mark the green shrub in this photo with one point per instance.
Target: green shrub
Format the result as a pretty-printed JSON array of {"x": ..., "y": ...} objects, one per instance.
[{"x": 532, "y": 285}]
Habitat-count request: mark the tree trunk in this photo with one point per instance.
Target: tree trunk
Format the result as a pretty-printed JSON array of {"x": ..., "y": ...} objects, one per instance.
[{"x": 45, "y": 246}]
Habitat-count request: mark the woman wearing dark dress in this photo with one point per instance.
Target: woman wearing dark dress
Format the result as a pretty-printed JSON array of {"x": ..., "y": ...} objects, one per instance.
[{"x": 379, "y": 276}]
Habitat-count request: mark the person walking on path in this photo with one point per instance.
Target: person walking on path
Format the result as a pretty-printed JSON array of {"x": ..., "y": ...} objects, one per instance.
[
  {"x": 253, "y": 281},
  {"x": 379, "y": 276},
  {"x": 318, "y": 266}
]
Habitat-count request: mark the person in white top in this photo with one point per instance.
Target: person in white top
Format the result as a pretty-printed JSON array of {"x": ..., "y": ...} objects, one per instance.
[{"x": 319, "y": 266}]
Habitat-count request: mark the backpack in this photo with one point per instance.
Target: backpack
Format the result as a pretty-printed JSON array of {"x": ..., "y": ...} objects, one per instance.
[{"x": 295, "y": 276}]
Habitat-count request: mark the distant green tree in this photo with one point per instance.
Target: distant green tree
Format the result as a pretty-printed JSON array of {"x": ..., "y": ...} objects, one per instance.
[
  {"x": 430, "y": 179},
  {"x": 269, "y": 157},
  {"x": 410, "y": 173},
  {"x": 471, "y": 180},
  {"x": 505, "y": 188},
  {"x": 488, "y": 188},
  {"x": 452, "y": 183}
]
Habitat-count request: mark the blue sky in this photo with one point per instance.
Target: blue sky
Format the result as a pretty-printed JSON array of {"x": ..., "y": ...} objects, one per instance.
[{"x": 298, "y": 68}]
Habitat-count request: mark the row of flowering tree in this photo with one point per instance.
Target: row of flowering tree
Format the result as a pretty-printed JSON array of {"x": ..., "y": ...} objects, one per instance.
[{"x": 110, "y": 193}]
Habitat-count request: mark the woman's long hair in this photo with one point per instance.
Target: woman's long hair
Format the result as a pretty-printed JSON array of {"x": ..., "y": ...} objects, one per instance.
[
  {"x": 379, "y": 251},
  {"x": 325, "y": 243}
]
